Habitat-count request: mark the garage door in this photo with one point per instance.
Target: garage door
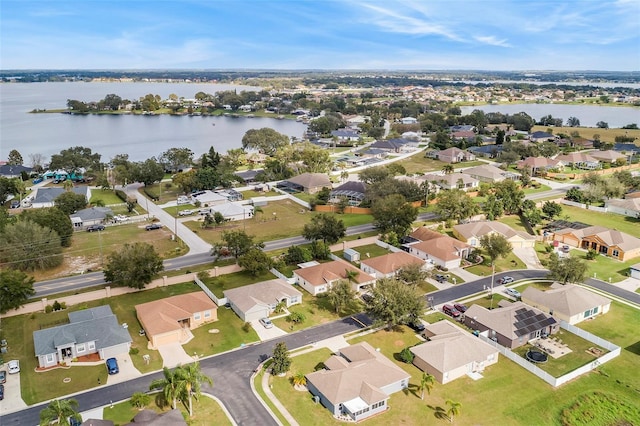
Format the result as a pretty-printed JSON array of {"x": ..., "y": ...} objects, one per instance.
[
  {"x": 256, "y": 314},
  {"x": 112, "y": 351},
  {"x": 163, "y": 339}
]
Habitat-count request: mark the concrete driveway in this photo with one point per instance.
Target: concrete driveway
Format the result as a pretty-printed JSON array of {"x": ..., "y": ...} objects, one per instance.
[
  {"x": 128, "y": 371},
  {"x": 173, "y": 354},
  {"x": 528, "y": 256},
  {"x": 12, "y": 398},
  {"x": 267, "y": 333}
]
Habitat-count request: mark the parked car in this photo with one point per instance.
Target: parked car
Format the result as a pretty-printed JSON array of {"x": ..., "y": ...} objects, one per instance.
[
  {"x": 153, "y": 226},
  {"x": 204, "y": 211},
  {"x": 266, "y": 322},
  {"x": 15, "y": 204},
  {"x": 120, "y": 218},
  {"x": 37, "y": 180},
  {"x": 513, "y": 292},
  {"x": 14, "y": 366},
  {"x": 565, "y": 249},
  {"x": 185, "y": 212},
  {"x": 183, "y": 200},
  {"x": 1, "y": 392},
  {"x": 112, "y": 366},
  {"x": 451, "y": 311},
  {"x": 3, "y": 376},
  {"x": 367, "y": 298},
  {"x": 441, "y": 278},
  {"x": 417, "y": 326},
  {"x": 505, "y": 280},
  {"x": 460, "y": 307},
  {"x": 92, "y": 228}
]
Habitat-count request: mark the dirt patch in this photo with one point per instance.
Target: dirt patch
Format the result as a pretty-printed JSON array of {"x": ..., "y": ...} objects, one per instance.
[
  {"x": 71, "y": 265},
  {"x": 399, "y": 343}
]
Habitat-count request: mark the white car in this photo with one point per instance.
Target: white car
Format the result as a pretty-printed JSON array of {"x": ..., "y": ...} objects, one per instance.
[
  {"x": 266, "y": 322},
  {"x": 185, "y": 212},
  {"x": 512, "y": 292},
  {"x": 14, "y": 366},
  {"x": 120, "y": 218}
]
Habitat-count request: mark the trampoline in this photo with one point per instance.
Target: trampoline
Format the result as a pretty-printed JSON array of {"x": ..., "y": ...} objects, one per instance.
[{"x": 536, "y": 356}]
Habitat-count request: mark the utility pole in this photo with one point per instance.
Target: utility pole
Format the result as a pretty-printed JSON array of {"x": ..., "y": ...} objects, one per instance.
[{"x": 100, "y": 242}]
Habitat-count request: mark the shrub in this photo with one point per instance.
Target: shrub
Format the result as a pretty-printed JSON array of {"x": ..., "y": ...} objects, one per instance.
[
  {"x": 151, "y": 194},
  {"x": 591, "y": 254},
  {"x": 48, "y": 309},
  {"x": 56, "y": 306},
  {"x": 296, "y": 317},
  {"x": 406, "y": 356},
  {"x": 122, "y": 195},
  {"x": 134, "y": 351},
  {"x": 63, "y": 305},
  {"x": 246, "y": 327}
]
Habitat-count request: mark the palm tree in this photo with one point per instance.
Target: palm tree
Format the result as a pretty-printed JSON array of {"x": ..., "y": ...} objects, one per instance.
[
  {"x": 447, "y": 169},
  {"x": 67, "y": 185},
  {"x": 426, "y": 383},
  {"x": 496, "y": 246},
  {"x": 168, "y": 384},
  {"x": 454, "y": 409},
  {"x": 140, "y": 400},
  {"x": 58, "y": 411},
  {"x": 190, "y": 379},
  {"x": 299, "y": 379}
]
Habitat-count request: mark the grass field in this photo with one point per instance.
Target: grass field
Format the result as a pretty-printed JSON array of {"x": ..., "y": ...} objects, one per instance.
[
  {"x": 507, "y": 394},
  {"x": 237, "y": 279},
  {"x": 420, "y": 164},
  {"x": 508, "y": 263},
  {"x": 611, "y": 220},
  {"x": 606, "y": 135},
  {"x": 316, "y": 310}
]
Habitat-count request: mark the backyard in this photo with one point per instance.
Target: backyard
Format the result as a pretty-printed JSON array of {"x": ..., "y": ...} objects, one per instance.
[{"x": 316, "y": 310}]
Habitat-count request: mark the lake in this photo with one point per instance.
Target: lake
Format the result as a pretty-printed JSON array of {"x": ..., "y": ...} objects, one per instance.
[
  {"x": 588, "y": 115},
  {"x": 139, "y": 136}
]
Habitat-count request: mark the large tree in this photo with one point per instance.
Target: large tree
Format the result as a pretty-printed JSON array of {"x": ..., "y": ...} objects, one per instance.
[
  {"x": 133, "y": 265},
  {"x": 265, "y": 140},
  {"x": 566, "y": 269},
  {"x": 53, "y": 218},
  {"x": 412, "y": 274},
  {"x": 551, "y": 209},
  {"x": 510, "y": 194},
  {"x": 173, "y": 158},
  {"x": 59, "y": 411},
  {"x": 325, "y": 227},
  {"x": 147, "y": 172},
  {"x": 72, "y": 160},
  {"x": 27, "y": 246},
  {"x": 15, "y": 289},
  {"x": 168, "y": 384},
  {"x": 341, "y": 295},
  {"x": 15, "y": 158},
  {"x": 393, "y": 302},
  {"x": 393, "y": 214},
  {"x": 455, "y": 204},
  {"x": 255, "y": 261},
  {"x": 70, "y": 202},
  {"x": 495, "y": 246},
  {"x": 280, "y": 361},
  {"x": 190, "y": 380},
  {"x": 237, "y": 243}
]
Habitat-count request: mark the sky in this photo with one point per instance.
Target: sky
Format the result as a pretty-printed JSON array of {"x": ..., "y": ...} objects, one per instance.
[{"x": 321, "y": 34}]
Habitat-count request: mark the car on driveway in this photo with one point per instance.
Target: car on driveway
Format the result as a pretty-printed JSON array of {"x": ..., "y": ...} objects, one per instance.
[
  {"x": 15, "y": 204},
  {"x": 505, "y": 280},
  {"x": 451, "y": 311},
  {"x": 92, "y": 228},
  {"x": 185, "y": 212},
  {"x": 112, "y": 366},
  {"x": 460, "y": 307},
  {"x": 266, "y": 322},
  {"x": 14, "y": 366},
  {"x": 513, "y": 292},
  {"x": 1, "y": 392},
  {"x": 417, "y": 326},
  {"x": 3, "y": 376},
  {"x": 441, "y": 278},
  {"x": 153, "y": 226}
]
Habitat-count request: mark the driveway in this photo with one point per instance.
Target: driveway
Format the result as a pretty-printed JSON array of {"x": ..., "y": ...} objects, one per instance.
[
  {"x": 128, "y": 371},
  {"x": 528, "y": 256},
  {"x": 267, "y": 333},
  {"x": 12, "y": 398},
  {"x": 173, "y": 354}
]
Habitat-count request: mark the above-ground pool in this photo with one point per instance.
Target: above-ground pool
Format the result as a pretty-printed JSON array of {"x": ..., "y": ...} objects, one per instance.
[{"x": 536, "y": 356}]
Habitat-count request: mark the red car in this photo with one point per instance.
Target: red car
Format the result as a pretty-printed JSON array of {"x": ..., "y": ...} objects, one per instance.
[
  {"x": 460, "y": 307},
  {"x": 451, "y": 311}
]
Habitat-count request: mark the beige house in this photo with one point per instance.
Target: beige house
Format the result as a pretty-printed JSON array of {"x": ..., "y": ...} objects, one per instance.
[
  {"x": 627, "y": 207},
  {"x": 608, "y": 242},
  {"x": 569, "y": 303},
  {"x": 307, "y": 182},
  {"x": 255, "y": 301},
  {"x": 357, "y": 382},
  {"x": 170, "y": 320},
  {"x": 472, "y": 232},
  {"x": 452, "y": 181},
  {"x": 389, "y": 264},
  {"x": 319, "y": 278},
  {"x": 436, "y": 248},
  {"x": 609, "y": 156},
  {"x": 490, "y": 174},
  {"x": 455, "y": 155},
  {"x": 512, "y": 324},
  {"x": 452, "y": 352}
]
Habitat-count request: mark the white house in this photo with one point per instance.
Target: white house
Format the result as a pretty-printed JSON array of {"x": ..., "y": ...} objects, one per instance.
[
  {"x": 569, "y": 302},
  {"x": 319, "y": 278},
  {"x": 255, "y": 301}
]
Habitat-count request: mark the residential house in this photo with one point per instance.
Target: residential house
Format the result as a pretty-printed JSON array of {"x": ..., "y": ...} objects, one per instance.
[
  {"x": 345, "y": 135},
  {"x": 464, "y": 135},
  {"x": 255, "y": 301},
  {"x": 627, "y": 207},
  {"x": 628, "y": 148},
  {"x": 357, "y": 382},
  {"x": 45, "y": 197},
  {"x": 489, "y": 151},
  {"x": 462, "y": 128},
  {"x": 579, "y": 160},
  {"x": 208, "y": 198},
  {"x": 539, "y": 165},
  {"x": 608, "y": 242},
  {"x": 452, "y": 181},
  {"x": 609, "y": 156},
  {"x": 90, "y": 331},
  {"x": 91, "y": 216},
  {"x": 318, "y": 278},
  {"x": 389, "y": 264},
  {"x": 310, "y": 183},
  {"x": 409, "y": 120},
  {"x": 10, "y": 171},
  {"x": 248, "y": 176},
  {"x": 634, "y": 271},
  {"x": 436, "y": 248},
  {"x": 569, "y": 303},
  {"x": 511, "y": 324},
  {"x": 352, "y": 190},
  {"x": 471, "y": 233},
  {"x": 490, "y": 174},
  {"x": 395, "y": 145},
  {"x": 451, "y": 352},
  {"x": 233, "y": 211},
  {"x": 542, "y": 137},
  {"x": 582, "y": 143},
  {"x": 170, "y": 320},
  {"x": 455, "y": 155}
]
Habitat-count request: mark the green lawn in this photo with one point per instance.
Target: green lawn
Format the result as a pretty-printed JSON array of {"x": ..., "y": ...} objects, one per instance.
[
  {"x": 509, "y": 263},
  {"x": 514, "y": 221},
  {"x": 107, "y": 196},
  {"x": 614, "y": 221},
  {"x": 316, "y": 310},
  {"x": 237, "y": 279},
  {"x": 537, "y": 189},
  {"x": 206, "y": 411}
]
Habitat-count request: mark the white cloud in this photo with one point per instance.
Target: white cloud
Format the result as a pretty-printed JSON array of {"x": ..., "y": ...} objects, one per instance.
[{"x": 492, "y": 41}]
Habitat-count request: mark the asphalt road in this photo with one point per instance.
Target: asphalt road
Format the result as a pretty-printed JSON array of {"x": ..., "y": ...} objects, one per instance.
[{"x": 230, "y": 372}]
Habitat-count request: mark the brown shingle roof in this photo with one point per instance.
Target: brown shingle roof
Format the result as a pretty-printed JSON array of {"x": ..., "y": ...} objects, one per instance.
[
  {"x": 566, "y": 299},
  {"x": 262, "y": 293},
  {"x": 479, "y": 229},
  {"x": 311, "y": 180},
  {"x": 438, "y": 245},
  {"x": 391, "y": 262},
  {"x": 331, "y": 271},
  {"x": 161, "y": 316}
]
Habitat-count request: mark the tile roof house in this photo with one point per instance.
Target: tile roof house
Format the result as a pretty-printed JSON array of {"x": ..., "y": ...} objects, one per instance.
[
  {"x": 319, "y": 278},
  {"x": 512, "y": 324},
  {"x": 389, "y": 264},
  {"x": 255, "y": 301},
  {"x": 569, "y": 303},
  {"x": 608, "y": 242},
  {"x": 94, "y": 330},
  {"x": 472, "y": 232},
  {"x": 45, "y": 197},
  {"x": 454, "y": 155},
  {"x": 170, "y": 320},
  {"x": 308, "y": 182},
  {"x": 436, "y": 248},
  {"x": 490, "y": 174},
  {"x": 357, "y": 382},
  {"x": 627, "y": 207},
  {"x": 91, "y": 216},
  {"x": 452, "y": 352}
]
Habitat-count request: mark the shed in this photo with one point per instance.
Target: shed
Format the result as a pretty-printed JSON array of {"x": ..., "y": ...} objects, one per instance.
[{"x": 351, "y": 255}]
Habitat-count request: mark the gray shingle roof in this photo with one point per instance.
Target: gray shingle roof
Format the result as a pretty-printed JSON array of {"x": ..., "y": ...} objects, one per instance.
[
  {"x": 93, "y": 213},
  {"x": 47, "y": 195}
]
